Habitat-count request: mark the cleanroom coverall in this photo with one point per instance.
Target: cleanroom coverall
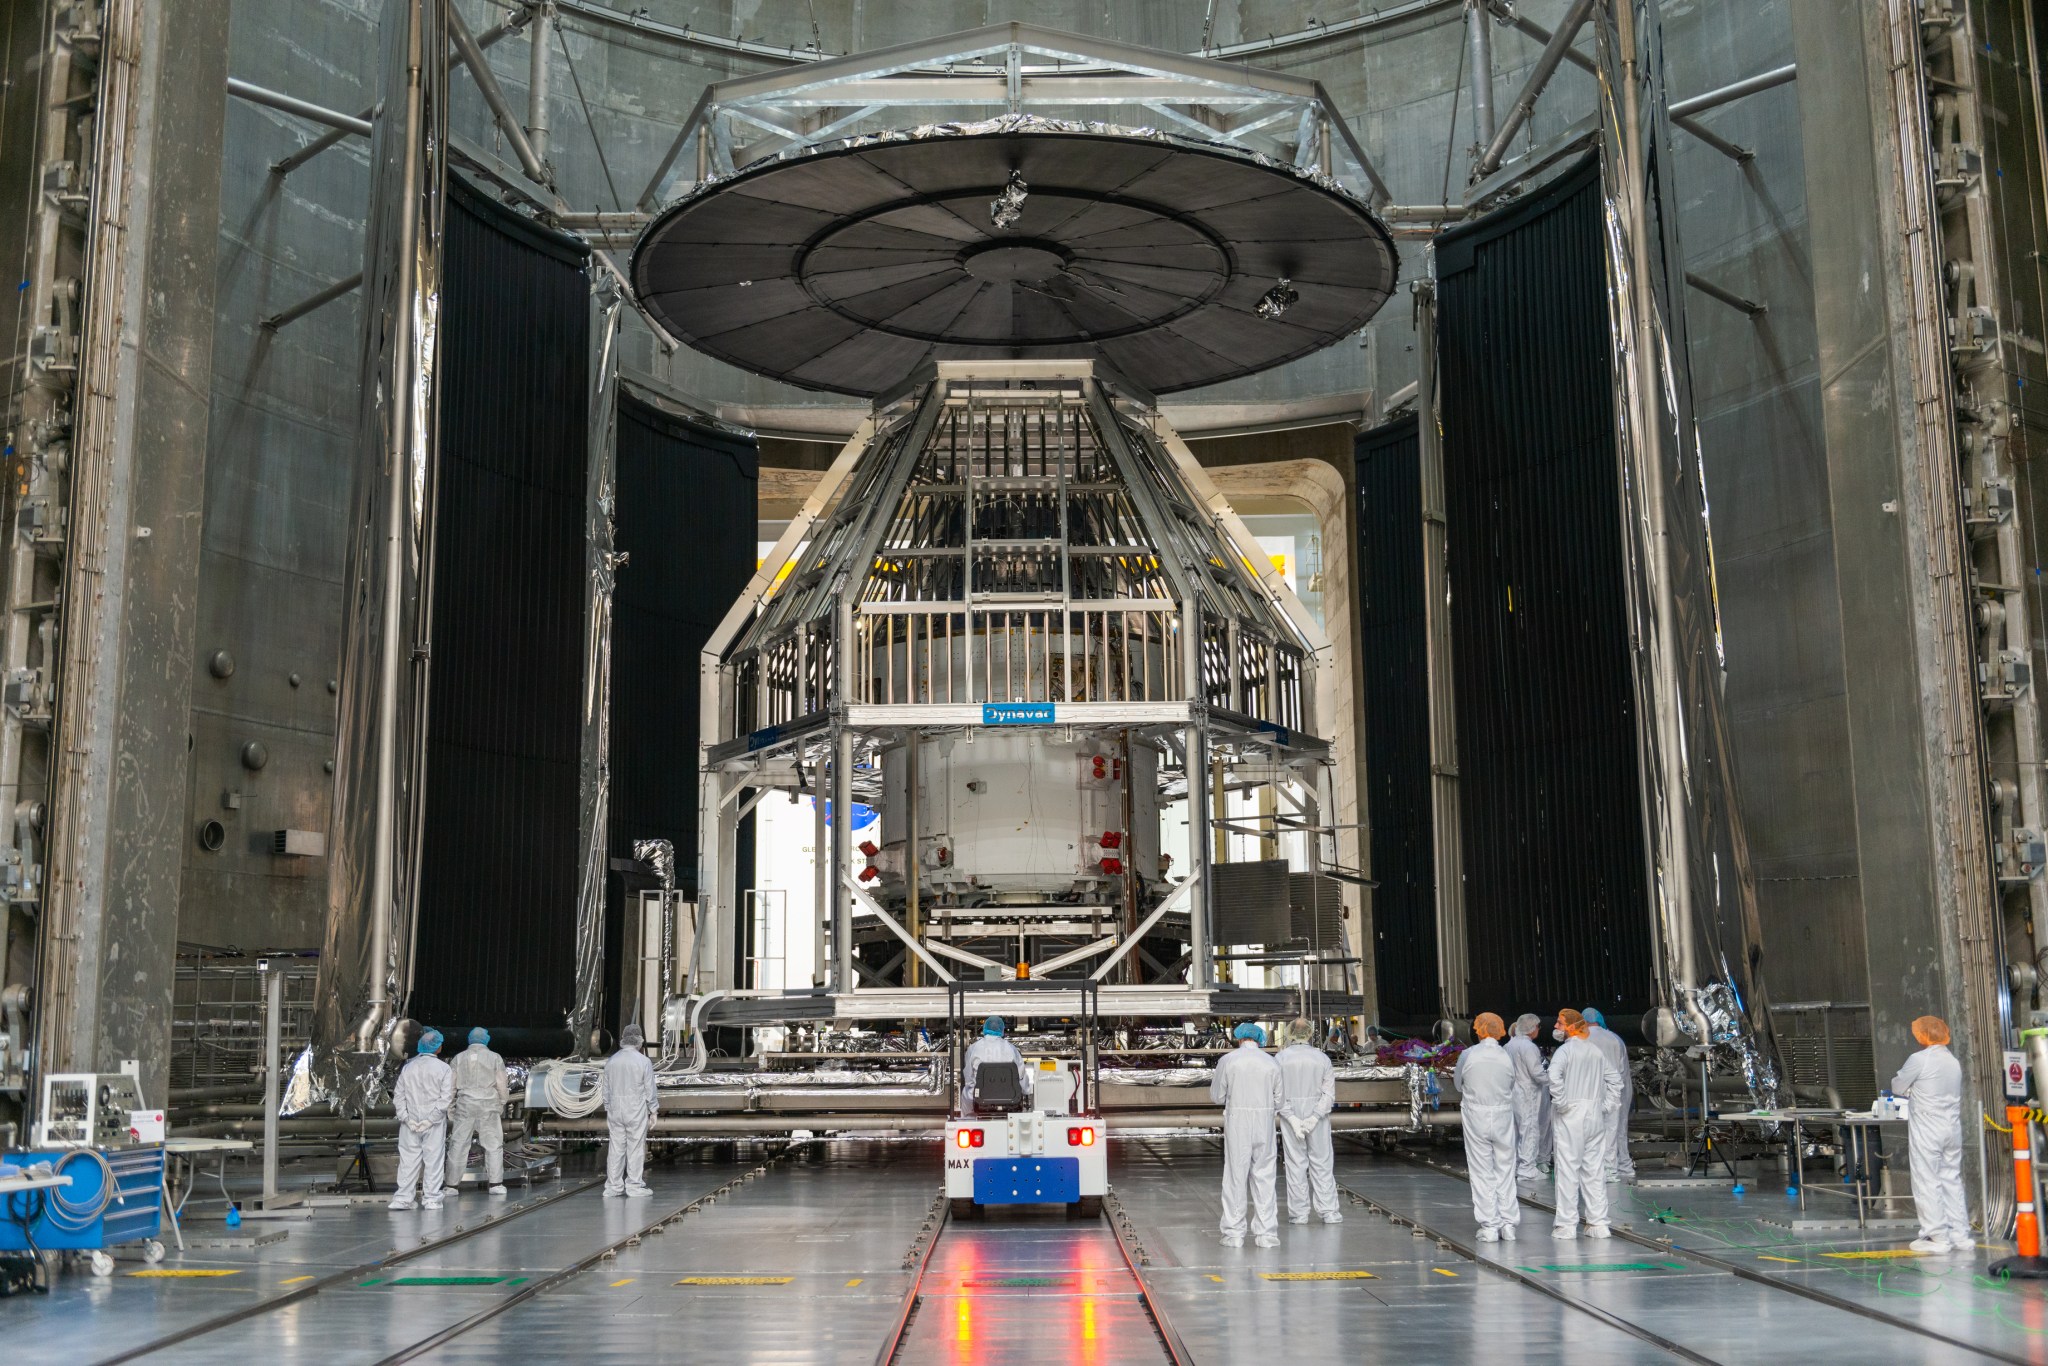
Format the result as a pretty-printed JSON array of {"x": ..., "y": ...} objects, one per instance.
[
  {"x": 1932, "y": 1080},
  {"x": 1532, "y": 1108},
  {"x": 1585, "y": 1090},
  {"x": 481, "y": 1089},
  {"x": 1486, "y": 1081},
  {"x": 993, "y": 1050},
  {"x": 425, "y": 1088},
  {"x": 1247, "y": 1085},
  {"x": 1308, "y": 1092},
  {"x": 1620, "y": 1166},
  {"x": 630, "y": 1101}
]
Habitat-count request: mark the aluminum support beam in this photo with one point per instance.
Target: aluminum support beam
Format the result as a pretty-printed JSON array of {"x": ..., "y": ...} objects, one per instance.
[
  {"x": 313, "y": 302},
  {"x": 305, "y": 109},
  {"x": 467, "y": 47},
  {"x": 1714, "y": 99},
  {"x": 1479, "y": 36},
  {"x": 1728, "y": 297},
  {"x": 1554, "y": 51},
  {"x": 541, "y": 20}
]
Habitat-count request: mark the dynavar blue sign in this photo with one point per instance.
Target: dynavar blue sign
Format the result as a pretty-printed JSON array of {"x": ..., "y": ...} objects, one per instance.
[{"x": 1016, "y": 713}]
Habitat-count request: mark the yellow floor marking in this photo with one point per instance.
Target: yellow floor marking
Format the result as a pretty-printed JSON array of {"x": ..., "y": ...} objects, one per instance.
[
  {"x": 1317, "y": 1276},
  {"x": 1217, "y": 1279},
  {"x": 295, "y": 1280},
  {"x": 735, "y": 1280},
  {"x": 1881, "y": 1253},
  {"x": 1441, "y": 1272},
  {"x": 167, "y": 1275},
  {"x": 1767, "y": 1257},
  {"x": 627, "y": 1281},
  {"x": 855, "y": 1281}
]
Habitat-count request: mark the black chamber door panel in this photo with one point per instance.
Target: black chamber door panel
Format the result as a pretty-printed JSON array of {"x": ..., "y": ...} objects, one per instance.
[
  {"x": 499, "y": 853},
  {"x": 689, "y": 520},
  {"x": 1393, "y": 640},
  {"x": 1557, "y": 904}
]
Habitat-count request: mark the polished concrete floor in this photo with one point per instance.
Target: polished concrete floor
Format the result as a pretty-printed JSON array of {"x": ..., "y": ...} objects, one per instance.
[{"x": 810, "y": 1262}]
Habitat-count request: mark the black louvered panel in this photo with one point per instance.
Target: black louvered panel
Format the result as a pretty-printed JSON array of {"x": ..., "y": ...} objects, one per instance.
[
  {"x": 1394, "y": 643},
  {"x": 1557, "y": 906},
  {"x": 499, "y": 855},
  {"x": 689, "y": 521}
]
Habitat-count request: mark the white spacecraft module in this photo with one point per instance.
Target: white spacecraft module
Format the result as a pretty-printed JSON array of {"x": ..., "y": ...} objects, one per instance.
[{"x": 1015, "y": 616}]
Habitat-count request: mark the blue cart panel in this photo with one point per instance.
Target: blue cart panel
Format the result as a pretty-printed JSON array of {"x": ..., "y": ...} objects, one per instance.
[
  {"x": 133, "y": 1212},
  {"x": 1027, "y": 1180}
]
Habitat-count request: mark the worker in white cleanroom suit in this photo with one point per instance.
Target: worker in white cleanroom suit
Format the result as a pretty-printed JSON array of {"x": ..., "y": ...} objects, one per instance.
[
  {"x": 1932, "y": 1080},
  {"x": 425, "y": 1089},
  {"x": 1247, "y": 1085},
  {"x": 1308, "y": 1092},
  {"x": 1485, "y": 1075},
  {"x": 993, "y": 1050},
  {"x": 482, "y": 1086},
  {"x": 1585, "y": 1091},
  {"x": 1531, "y": 1099},
  {"x": 630, "y": 1103},
  {"x": 1620, "y": 1166}
]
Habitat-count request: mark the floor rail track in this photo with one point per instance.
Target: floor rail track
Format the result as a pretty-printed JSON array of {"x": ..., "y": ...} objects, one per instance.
[
  {"x": 1119, "y": 1227},
  {"x": 1740, "y": 1272},
  {"x": 354, "y": 1273},
  {"x": 893, "y": 1344},
  {"x": 1634, "y": 1330},
  {"x": 570, "y": 1272}
]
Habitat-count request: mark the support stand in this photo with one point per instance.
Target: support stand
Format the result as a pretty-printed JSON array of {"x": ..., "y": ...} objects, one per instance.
[{"x": 1701, "y": 1160}]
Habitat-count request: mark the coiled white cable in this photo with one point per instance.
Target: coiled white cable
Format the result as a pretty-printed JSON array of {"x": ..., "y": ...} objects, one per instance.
[{"x": 572, "y": 1104}]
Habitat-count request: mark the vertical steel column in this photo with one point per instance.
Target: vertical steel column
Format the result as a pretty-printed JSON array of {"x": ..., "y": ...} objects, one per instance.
[
  {"x": 1200, "y": 939},
  {"x": 821, "y": 867},
  {"x": 1480, "y": 39},
  {"x": 1446, "y": 821},
  {"x": 842, "y": 843},
  {"x": 600, "y": 567},
  {"x": 273, "y": 1044},
  {"x": 540, "y": 21}
]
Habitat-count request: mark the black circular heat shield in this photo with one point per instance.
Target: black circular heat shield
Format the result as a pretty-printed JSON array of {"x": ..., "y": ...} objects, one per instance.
[{"x": 845, "y": 268}]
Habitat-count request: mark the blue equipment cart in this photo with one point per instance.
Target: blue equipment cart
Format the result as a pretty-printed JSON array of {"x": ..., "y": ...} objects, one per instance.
[{"x": 116, "y": 1196}]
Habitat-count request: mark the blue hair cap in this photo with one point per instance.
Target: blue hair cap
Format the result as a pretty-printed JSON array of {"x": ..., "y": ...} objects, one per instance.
[
  {"x": 480, "y": 1035},
  {"x": 993, "y": 1025},
  {"x": 1252, "y": 1032},
  {"x": 430, "y": 1041},
  {"x": 1593, "y": 1016}
]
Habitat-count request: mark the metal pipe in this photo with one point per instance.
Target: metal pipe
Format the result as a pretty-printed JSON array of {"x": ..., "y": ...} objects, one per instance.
[
  {"x": 1733, "y": 300},
  {"x": 1503, "y": 11},
  {"x": 313, "y": 302},
  {"x": 541, "y": 19},
  {"x": 1480, "y": 37},
  {"x": 248, "y": 1090},
  {"x": 286, "y": 165},
  {"x": 273, "y": 1044},
  {"x": 1734, "y": 151},
  {"x": 501, "y": 109},
  {"x": 342, "y": 1130},
  {"x": 1714, "y": 99},
  {"x": 305, "y": 109},
  {"x": 1525, "y": 103}
]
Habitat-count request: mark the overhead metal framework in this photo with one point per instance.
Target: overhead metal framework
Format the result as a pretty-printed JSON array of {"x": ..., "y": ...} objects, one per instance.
[{"x": 1007, "y": 67}]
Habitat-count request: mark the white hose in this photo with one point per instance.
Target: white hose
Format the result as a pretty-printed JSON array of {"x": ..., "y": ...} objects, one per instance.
[
  {"x": 568, "y": 1103},
  {"x": 76, "y": 1217}
]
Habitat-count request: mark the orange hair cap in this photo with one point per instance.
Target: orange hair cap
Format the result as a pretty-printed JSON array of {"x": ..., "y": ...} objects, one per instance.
[
  {"x": 1488, "y": 1026},
  {"x": 1930, "y": 1029},
  {"x": 1574, "y": 1023}
]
